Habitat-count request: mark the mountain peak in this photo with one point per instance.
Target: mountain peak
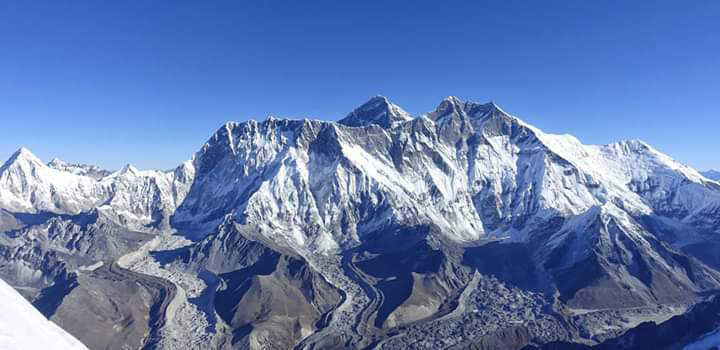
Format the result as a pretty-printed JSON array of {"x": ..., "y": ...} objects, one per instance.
[
  {"x": 379, "y": 111},
  {"x": 449, "y": 104},
  {"x": 453, "y": 105},
  {"x": 379, "y": 98},
  {"x": 23, "y": 155},
  {"x": 128, "y": 169},
  {"x": 452, "y": 99},
  {"x": 57, "y": 162},
  {"x": 494, "y": 105},
  {"x": 23, "y": 152},
  {"x": 632, "y": 145}
]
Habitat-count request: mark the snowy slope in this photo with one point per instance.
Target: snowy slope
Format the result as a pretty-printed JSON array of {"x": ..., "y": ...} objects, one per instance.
[{"x": 22, "y": 327}]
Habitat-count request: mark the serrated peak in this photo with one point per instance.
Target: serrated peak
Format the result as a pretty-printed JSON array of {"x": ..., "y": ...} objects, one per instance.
[{"x": 453, "y": 105}]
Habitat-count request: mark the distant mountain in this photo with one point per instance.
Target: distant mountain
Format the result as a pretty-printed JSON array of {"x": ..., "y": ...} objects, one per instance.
[
  {"x": 22, "y": 327},
  {"x": 137, "y": 199},
  {"x": 460, "y": 227},
  {"x": 712, "y": 174}
]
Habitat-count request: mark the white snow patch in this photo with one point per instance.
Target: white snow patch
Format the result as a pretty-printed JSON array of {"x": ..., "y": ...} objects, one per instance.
[{"x": 22, "y": 327}]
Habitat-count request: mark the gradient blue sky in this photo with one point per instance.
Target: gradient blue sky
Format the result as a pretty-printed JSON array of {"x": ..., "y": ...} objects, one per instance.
[{"x": 147, "y": 82}]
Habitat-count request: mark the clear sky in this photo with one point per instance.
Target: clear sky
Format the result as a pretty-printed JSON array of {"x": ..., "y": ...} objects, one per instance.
[{"x": 147, "y": 82}]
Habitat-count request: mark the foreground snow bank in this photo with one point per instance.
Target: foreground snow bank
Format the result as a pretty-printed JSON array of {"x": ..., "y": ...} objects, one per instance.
[{"x": 23, "y": 327}]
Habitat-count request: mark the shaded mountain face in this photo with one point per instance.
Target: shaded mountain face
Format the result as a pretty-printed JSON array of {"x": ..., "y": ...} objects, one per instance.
[{"x": 460, "y": 227}]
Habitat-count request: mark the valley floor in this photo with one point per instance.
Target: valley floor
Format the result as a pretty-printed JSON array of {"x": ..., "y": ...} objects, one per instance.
[{"x": 190, "y": 318}]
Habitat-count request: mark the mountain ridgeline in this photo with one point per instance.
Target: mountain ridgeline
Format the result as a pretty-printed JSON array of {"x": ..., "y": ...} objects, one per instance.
[{"x": 461, "y": 228}]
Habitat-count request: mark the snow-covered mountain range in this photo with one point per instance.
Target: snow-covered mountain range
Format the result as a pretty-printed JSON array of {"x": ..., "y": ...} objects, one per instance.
[
  {"x": 136, "y": 199},
  {"x": 442, "y": 200}
]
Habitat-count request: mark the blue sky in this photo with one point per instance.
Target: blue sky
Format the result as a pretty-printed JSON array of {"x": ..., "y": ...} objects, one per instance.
[{"x": 147, "y": 82}]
